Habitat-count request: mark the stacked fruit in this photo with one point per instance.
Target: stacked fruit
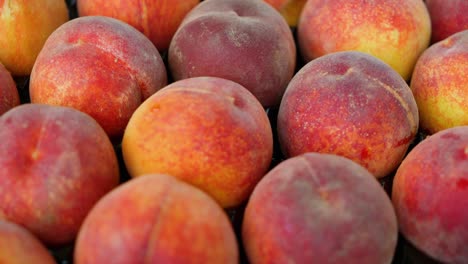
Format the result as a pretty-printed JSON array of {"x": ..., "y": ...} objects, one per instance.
[{"x": 227, "y": 131}]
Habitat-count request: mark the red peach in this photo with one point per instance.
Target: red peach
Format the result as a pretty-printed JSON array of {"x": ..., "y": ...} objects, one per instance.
[
  {"x": 9, "y": 96},
  {"x": 246, "y": 41},
  {"x": 208, "y": 131},
  {"x": 19, "y": 246},
  {"x": 350, "y": 104},
  {"x": 158, "y": 20},
  {"x": 440, "y": 84},
  {"x": 447, "y": 17},
  {"x": 156, "y": 219},
  {"x": 100, "y": 66},
  {"x": 25, "y": 26},
  {"x": 395, "y": 31},
  {"x": 430, "y": 195},
  {"x": 56, "y": 163},
  {"x": 319, "y": 208}
]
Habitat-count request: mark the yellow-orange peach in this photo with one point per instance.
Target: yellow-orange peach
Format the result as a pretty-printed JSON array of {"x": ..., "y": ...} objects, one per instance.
[
  {"x": 395, "y": 31},
  {"x": 100, "y": 66},
  {"x": 24, "y": 28},
  {"x": 156, "y": 219},
  {"x": 350, "y": 104},
  {"x": 208, "y": 131},
  {"x": 158, "y": 20},
  {"x": 56, "y": 162}
]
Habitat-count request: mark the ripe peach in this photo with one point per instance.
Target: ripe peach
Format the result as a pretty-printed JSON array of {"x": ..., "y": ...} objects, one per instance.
[
  {"x": 246, "y": 41},
  {"x": 100, "y": 66},
  {"x": 289, "y": 9},
  {"x": 395, "y": 31},
  {"x": 56, "y": 163},
  {"x": 430, "y": 195},
  {"x": 350, "y": 104},
  {"x": 19, "y": 246},
  {"x": 208, "y": 131},
  {"x": 9, "y": 96},
  {"x": 319, "y": 208},
  {"x": 164, "y": 220},
  {"x": 447, "y": 18},
  {"x": 158, "y": 20},
  {"x": 25, "y": 26},
  {"x": 439, "y": 84}
]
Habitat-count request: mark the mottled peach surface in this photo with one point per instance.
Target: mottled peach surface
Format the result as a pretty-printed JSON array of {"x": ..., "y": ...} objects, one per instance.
[
  {"x": 319, "y": 208},
  {"x": 100, "y": 66},
  {"x": 208, "y": 131},
  {"x": 440, "y": 84},
  {"x": 156, "y": 219},
  {"x": 447, "y": 17},
  {"x": 247, "y": 42},
  {"x": 158, "y": 20},
  {"x": 19, "y": 246},
  {"x": 395, "y": 31},
  {"x": 56, "y": 162},
  {"x": 9, "y": 96},
  {"x": 430, "y": 195},
  {"x": 350, "y": 104},
  {"x": 24, "y": 27}
]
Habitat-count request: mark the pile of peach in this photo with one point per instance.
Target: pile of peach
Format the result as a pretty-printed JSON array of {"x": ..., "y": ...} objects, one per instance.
[{"x": 144, "y": 122}]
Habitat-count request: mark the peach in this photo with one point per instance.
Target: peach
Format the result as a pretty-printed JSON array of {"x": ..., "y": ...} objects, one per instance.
[
  {"x": 289, "y": 9},
  {"x": 430, "y": 195},
  {"x": 158, "y": 20},
  {"x": 25, "y": 26},
  {"x": 439, "y": 84},
  {"x": 164, "y": 221},
  {"x": 9, "y": 96},
  {"x": 319, "y": 208},
  {"x": 246, "y": 41},
  {"x": 56, "y": 163},
  {"x": 19, "y": 246},
  {"x": 350, "y": 104},
  {"x": 208, "y": 131},
  {"x": 100, "y": 66},
  {"x": 447, "y": 18},
  {"x": 395, "y": 31}
]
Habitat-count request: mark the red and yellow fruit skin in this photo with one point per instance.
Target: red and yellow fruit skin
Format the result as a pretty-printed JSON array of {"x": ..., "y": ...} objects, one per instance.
[
  {"x": 56, "y": 163},
  {"x": 9, "y": 96},
  {"x": 208, "y": 131},
  {"x": 157, "y": 20},
  {"x": 349, "y": 104},
  {"x": 319, "y": 208},
  {"x": 395, "y": 31},
  {"x": 19, "y": 246},
  {"x": 430, "y": 194},
  {"x": 439, "y": 84},
  {"x": 156, "y": 219},
  {"x": 447, "y": 18},
  {"x": 25, "y": 27},
  {"x": 100, "y": 66}
]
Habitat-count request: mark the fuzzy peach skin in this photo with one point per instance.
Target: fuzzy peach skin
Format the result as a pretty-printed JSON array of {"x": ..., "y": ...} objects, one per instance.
[
  {"x": 395, "y": 31},
  {"x": 289, "y": 9},
  {"x": 158, "y": 20},
  {"x": 100, "y": 66},
  {"x": 447, "y": 17},
  {"x": 245, "y": 41},
  {"x": 19, "y": 246},
  {"x": 156, "y": 219},
  {"x": 9, "y": 96},
  {"x": 430, "y": 195},
  {"x": 319, "y": 208},
  {"x": 56, "y": 163},
  {"x": 440, "y": 84},
  {"x": 350, "y": 104},
  {"x": 24, "y": 27},
  {"x": 208, "y": 131}
]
